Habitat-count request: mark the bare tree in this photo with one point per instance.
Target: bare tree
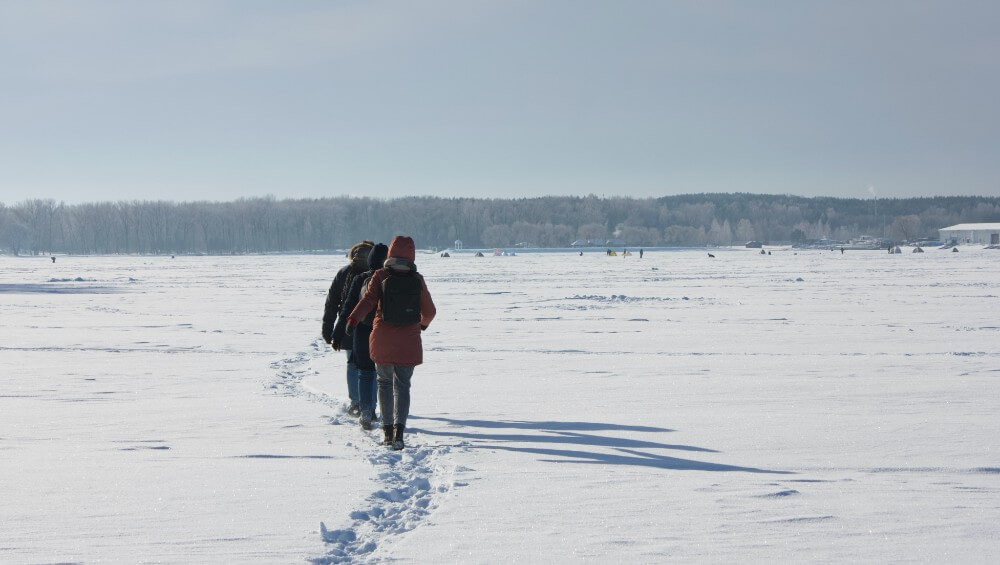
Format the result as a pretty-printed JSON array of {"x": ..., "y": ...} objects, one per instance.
[
  {"x": 905, "y": 228},
  {"x": 593, "y": 232}
]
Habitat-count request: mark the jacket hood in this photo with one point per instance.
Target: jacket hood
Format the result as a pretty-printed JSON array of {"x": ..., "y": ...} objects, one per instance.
[
  {"x": 359, "y": 255},
  {"x": 377, "y": 256},
  {"x": 402, "y": 247},
  {"x": 360, "y": 249}
]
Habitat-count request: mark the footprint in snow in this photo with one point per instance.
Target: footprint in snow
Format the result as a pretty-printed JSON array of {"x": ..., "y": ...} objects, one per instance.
[{"x": 410, "y": 483}]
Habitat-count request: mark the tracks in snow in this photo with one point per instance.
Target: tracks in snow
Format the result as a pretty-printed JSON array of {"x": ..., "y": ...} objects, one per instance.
[{"x": 410, "y": 483}]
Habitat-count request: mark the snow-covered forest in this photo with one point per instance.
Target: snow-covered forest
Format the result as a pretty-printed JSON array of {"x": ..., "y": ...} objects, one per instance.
[{"x": 261, "y": 225}]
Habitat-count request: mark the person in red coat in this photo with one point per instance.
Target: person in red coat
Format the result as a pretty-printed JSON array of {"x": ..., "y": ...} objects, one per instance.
[{"x": 395, "y": 348}]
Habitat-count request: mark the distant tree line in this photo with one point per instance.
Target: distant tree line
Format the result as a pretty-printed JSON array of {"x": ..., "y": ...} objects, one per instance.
[{"x": 262, "y": 225}]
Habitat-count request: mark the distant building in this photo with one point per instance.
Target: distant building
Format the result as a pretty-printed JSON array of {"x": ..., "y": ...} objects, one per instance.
[
  {"x": 754, "y": 245},
  {"x": 986, "y": 234},
  {"x": 458, "y": 244}
]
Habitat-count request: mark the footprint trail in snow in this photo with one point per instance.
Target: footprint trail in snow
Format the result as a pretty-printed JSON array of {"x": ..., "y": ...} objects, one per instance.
[{"x": 410, "y": 483}]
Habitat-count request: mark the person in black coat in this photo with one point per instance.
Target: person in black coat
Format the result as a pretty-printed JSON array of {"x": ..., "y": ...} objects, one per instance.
[
  {"x": 357, "y": 340},
  {"x": 334, "y": 300}
]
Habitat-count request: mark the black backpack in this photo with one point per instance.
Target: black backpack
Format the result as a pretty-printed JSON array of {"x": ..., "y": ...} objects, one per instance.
[{"x": 401, "y": 298}]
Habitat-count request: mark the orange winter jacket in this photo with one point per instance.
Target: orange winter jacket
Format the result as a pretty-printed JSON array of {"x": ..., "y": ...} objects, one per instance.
[{"x": 393, "y": 344}]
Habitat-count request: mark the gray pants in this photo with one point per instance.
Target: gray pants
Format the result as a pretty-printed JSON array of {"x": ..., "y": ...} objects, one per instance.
[{"x": 394, "y": 393}]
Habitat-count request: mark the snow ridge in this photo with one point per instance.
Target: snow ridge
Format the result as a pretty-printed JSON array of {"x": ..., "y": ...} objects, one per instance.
[{"x": 410, "y": 484}]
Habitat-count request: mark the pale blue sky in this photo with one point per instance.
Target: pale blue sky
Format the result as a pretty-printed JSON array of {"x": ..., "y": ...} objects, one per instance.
[{"x": 212, "y": 100}]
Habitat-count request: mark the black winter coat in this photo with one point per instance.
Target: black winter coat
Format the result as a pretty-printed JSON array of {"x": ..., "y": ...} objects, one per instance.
[
  {"x": 358, "y": 339},
  {"x": 335, "y": 299}
]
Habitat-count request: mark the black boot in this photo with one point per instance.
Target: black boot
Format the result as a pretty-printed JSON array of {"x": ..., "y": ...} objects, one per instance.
[
  {"x": 388, "y": 431},
  {"x": 397, "y": 441}
]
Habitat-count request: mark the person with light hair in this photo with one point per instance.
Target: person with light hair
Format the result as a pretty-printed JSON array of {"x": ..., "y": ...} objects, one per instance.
[{"x": 358, "y": 256}]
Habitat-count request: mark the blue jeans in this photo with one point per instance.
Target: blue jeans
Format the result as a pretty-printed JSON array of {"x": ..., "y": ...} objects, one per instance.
[
  {"x": 366, "y": 391},
  {"x": 394, "y": 393},
  {"x": 352, "y": 379}
]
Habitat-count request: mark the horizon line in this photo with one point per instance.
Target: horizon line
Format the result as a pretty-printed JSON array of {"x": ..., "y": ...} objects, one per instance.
[{"x": 272, "y": 197}]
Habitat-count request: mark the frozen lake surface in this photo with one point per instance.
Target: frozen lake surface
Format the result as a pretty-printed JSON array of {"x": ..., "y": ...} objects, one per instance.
[{"x": 802, "y": 406}]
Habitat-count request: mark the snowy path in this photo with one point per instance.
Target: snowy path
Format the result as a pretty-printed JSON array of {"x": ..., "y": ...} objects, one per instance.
[{"x": 409, "y": 484}]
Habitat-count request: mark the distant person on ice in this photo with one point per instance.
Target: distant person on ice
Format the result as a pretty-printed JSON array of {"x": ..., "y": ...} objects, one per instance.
[
  {"x": 403, "y": 308},
  {"x": 357, "y": 340},
  {"x": 334, "y": 299}
]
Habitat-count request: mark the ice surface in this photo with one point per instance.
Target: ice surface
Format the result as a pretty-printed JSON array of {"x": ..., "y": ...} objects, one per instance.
[{"x": 802, "y": 406}]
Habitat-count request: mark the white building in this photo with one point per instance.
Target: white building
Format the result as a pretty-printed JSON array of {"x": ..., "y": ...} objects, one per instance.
[{"x": 986, "y": 234}]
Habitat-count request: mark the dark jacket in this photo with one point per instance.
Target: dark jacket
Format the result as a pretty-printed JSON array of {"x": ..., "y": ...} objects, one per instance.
[
  {"x": 393, "y": 344},
  {"x": 334, "y": 299},
  {"x": 341, "y": 284},
  {"x": 357, "y": 340}
]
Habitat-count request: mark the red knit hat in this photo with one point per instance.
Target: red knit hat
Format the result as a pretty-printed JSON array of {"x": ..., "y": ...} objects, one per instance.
[{"x": 402, "y": 247}]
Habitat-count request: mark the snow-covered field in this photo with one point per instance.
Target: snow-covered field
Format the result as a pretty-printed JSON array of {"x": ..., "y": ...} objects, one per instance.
[{"x": 805, "y": 406}]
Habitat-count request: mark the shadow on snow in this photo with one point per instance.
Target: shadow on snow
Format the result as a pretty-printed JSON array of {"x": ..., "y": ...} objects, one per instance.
[
  {"x": 551, "y": 426},
  {"x": 568, "y": 433},
  {"x": 26, "y": 288}
]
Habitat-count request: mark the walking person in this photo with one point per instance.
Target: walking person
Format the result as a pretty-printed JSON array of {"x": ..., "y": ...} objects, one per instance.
[
  {"x": 357, "y": 340},
  {"x": 358, "y": 256},
  {"x": 403, "y": 308}
]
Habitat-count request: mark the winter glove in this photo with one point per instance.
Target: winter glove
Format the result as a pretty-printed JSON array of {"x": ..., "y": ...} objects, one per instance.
[
  {"x": 351, "y": 323},
  {"x": 336, "y": 344},
  {"x": 423, "y": 327}
]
